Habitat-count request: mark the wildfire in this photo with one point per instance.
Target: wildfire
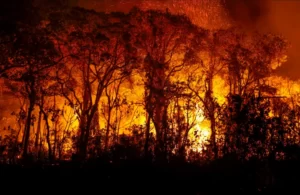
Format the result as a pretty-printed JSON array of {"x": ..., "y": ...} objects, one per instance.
[
  {"x": 206, "y": 13},
  {"x": 201, "y": 131},
  {"x": 189, "y": 97}
]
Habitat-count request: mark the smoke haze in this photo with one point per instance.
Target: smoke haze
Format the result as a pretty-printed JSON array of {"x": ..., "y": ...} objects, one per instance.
[
  {"x": 247, "y": 12},
  {"x": 278, "y": 16}
]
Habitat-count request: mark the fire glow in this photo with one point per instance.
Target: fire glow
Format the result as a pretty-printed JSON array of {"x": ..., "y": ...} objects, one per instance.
[{"x": 147, "y": 73}]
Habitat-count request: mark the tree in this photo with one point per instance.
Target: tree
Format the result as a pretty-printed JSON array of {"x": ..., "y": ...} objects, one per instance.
[
  {"x": 27, "y": 52},
  {"x": 102, "y": 55},
  {"x": 164, "y": 40},
  {"x": 35, "y": 56},
  {"x": 250, "y": 58},
  {"x": 201, "y": 80},
  {"x": 114, "y": 104},
  {"x": 17, "y": 17}
]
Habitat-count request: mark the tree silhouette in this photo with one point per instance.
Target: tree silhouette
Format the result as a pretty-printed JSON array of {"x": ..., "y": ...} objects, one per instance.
[
  {"x": 164, "y": 40},
  {"x": 34, "y": 56},
  {"x": 101, "y": 56}
]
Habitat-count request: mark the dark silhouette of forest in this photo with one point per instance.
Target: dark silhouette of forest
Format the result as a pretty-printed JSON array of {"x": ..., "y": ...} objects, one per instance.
[{"x": 67, "y": 77}]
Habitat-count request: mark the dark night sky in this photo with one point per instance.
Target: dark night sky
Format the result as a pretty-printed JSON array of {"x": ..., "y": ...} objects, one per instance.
[{"x": 279, "y": 16}]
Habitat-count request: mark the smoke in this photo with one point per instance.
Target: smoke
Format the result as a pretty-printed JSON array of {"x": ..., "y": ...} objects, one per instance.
[
  {"x": 284, "y": 19},
  {"x": 205, "y": 13},
  {"x": 276, "y": 16},
  {"x": 109, "y": 5},
  {"x": 247, "y": 13}
]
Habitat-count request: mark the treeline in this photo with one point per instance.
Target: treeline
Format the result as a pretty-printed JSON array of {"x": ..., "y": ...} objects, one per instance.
[{"x": 132, "y": 85}]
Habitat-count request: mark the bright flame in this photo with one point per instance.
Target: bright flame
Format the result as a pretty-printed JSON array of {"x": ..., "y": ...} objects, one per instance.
[{"x": 201, "y": 132}]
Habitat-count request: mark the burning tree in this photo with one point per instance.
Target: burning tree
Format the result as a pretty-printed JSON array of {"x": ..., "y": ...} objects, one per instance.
[
  {"x": 101, "y": 55},
  {"x": 91, "y": 60},
  {"x": 250, "y": 58},
  {"x": 32, "y": 57},
  {"x": 164, "y": 40}
]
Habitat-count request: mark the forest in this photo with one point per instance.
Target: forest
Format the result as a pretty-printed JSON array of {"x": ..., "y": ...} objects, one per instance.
[{"x": 146, "y": 88}]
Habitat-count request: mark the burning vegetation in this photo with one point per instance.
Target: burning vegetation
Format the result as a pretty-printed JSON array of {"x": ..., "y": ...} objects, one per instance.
[{"x": 144, "y": 83}]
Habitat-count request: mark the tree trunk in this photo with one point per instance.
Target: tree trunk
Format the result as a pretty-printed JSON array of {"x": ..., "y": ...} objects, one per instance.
[
  {"x": 161, "y": 126},
  {"x": 213, "y": 135},
  {"x": 48, "y": 137},
  {"x": 55, "y": 144},
  {"x": 80, "y": 145},
  {"x": 211, "y": 110},
  {"x": 38, "y": 131},
  {"x": 85, "y": 131},
  {"x": 107, "y": 127},
  {"x": 147, "y": 136},
  {"x": 27, "y": 126}
]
